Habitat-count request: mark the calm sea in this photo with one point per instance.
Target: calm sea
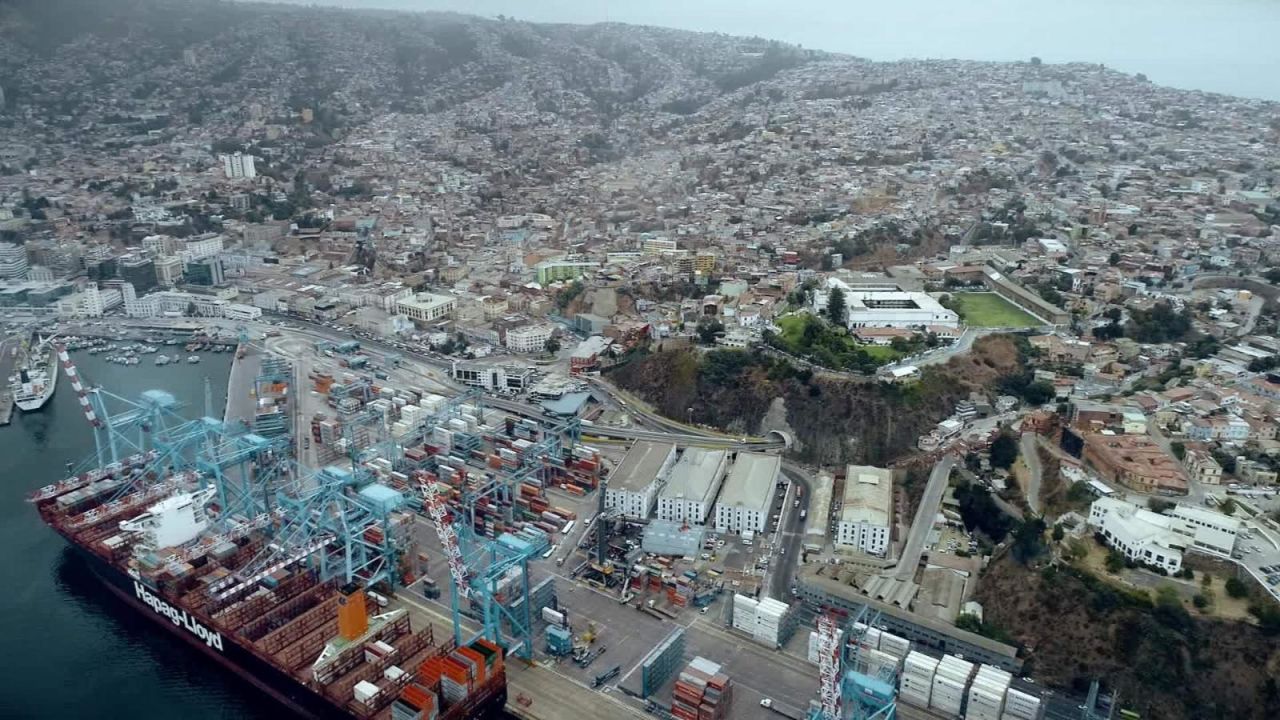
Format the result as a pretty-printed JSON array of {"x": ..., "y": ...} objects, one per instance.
[{"x": 71, "y": 650}]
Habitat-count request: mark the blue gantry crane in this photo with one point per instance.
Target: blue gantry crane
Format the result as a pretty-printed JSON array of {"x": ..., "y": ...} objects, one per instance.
[{"x": 850, "y": 688}]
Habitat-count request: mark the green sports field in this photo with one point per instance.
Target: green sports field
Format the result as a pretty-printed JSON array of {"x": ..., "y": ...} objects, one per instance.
[{"x": 990, "y": 310}]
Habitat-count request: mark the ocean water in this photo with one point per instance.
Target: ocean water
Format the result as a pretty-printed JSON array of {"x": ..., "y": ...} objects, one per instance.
[{"x": 70, "y": 649}]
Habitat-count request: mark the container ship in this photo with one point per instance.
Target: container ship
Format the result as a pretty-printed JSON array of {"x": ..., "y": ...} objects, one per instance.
[{"x": 323, "y": 648}]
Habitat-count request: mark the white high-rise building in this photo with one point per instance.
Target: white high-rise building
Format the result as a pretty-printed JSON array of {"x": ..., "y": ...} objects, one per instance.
[
  {"x": 238, "y": 165},
  {"x": 13, "y": 261}
]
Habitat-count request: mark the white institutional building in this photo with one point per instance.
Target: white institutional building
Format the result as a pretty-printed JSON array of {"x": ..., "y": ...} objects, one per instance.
[
  {"x": 885, "y": 307},
  {"x": 1159, "y": 540}
]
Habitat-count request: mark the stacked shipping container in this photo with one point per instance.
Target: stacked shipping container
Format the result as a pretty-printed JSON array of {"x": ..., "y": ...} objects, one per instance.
[
  {"x": 702, "y": 692},
  {"x": 916, "y": 685}
]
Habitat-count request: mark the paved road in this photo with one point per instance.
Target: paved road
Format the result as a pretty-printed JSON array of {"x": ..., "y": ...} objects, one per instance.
[
  {"x": 782, "y": 568},
  {"x": 1035, "y": 473},
  {"x": 923, "y": 522}
]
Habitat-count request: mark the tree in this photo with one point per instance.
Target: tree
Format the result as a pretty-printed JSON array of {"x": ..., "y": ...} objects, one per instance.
[
  {"x": 836, "y": 306},
  {"x": 1004, "y": 451},
  {"x": 1227, "y": 507},
  {"x": 1058, "y": 533},
  {"x": 1236, "y": 588},
  {"x": 1115, "y": 562},
  {"x": 1039, "y": 392},
  {"x": 1113, "y": 259},
  {"x": 707, "y": 331},
  {"x": 1158, "y": 505},
  {"x": 1035, "y": 60},
  {"x": 553, "y": 345},
  {"x": 1028, "y": 540}
]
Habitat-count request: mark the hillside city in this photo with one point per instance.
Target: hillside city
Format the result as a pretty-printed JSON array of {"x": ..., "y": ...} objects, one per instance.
[{"x": 987, "y": 349}]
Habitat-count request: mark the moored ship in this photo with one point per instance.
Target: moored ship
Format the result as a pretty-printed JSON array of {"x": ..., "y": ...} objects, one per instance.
[
  {"x": 251, "y": 593},
  {"x": 36, "y": 379}
]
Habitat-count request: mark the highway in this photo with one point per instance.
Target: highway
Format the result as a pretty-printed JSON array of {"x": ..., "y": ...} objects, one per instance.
[{"x": 930, "y": 501}]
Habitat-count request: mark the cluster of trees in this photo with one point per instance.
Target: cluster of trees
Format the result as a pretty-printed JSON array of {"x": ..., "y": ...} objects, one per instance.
[
  {"x": 568, "y": 294},
  {"x": 1162, "y": 323},
  {"x": 825, "y": 345},
  {"x": 980, "y": 512},
  {"x": 1004, "y": 450}
]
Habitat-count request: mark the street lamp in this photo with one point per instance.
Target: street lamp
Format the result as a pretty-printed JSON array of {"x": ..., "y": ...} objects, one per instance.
[{"x": 689, "y": 417}]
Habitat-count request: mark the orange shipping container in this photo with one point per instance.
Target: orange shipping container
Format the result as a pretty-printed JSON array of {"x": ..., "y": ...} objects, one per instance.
[{"x": 477, "y": 658}]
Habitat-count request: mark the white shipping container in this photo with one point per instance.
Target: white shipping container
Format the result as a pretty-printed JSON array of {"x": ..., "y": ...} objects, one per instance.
[
  {"x": 947, "y": 696},
  {"x": 364, "y": 690},
  {"x": 955, "y": 669},
  {"x": 920, "y": 661},
  {"x": 552, "y": 616},
  {"x": 915, "y": 695},
  {"x": 1021, "y": 706},
  {"x": 895, "y": 645},
  {"x": 704, "y": 665},
  {"x": 393, "y": 673},
  {"x": 995, "y": 674},
  {"x": 878, "y": 661}
]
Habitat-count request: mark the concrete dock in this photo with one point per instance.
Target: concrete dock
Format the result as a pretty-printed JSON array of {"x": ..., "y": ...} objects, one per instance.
[{"x": 7, "y": 347}]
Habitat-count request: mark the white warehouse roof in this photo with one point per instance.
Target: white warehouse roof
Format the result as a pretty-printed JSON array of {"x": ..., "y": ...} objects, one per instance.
[
  {"x": 868, "y": 495},
  {"x": 751, "y": 481},
  {"x": 697, "y": 475},
  {"x": 641, "y": 466}
]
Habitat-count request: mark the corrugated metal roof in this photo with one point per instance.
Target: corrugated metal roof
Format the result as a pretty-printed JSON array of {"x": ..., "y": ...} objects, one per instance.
[
  {"x": 640, "y": 466},
  {"x": 751, "y": 481},
  {"x": 697, "y": 475}
]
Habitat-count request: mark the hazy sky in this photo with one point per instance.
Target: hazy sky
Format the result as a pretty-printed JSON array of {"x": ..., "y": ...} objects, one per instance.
[{"x": 1230, "y": 46}]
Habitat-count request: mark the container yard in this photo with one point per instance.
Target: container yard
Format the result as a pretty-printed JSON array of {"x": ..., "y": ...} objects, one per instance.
[{"x": 284, "y": 574}]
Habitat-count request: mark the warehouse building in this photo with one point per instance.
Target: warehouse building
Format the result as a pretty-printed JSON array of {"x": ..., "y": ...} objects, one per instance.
[
  {"x": 695, "y": 481},
  {"x": 633, "y": 485},
  {"x": 827, "y": 586},
  {"x": 744, "y": 502},
  {"x": 866, "y": 514}
]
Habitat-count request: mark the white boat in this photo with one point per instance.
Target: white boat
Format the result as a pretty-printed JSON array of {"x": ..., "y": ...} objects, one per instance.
[
  {"x": 162, "y": 359},
  {"x": 193, "y": 359},
  {"x": 35, "y": 380}
]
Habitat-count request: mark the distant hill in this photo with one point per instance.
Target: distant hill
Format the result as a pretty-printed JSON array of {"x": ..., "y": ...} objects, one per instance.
[{"x": 203, "y": 59}]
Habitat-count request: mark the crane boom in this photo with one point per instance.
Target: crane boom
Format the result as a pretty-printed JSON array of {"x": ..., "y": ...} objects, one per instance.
[
  {"x": 829, "y": 666},
  {"x": 434, "y": 500},
  {"x": 74, "y": 376}
]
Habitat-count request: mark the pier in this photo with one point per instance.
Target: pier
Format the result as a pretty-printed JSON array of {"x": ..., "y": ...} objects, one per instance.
[{"x": 7, "y": 347}]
